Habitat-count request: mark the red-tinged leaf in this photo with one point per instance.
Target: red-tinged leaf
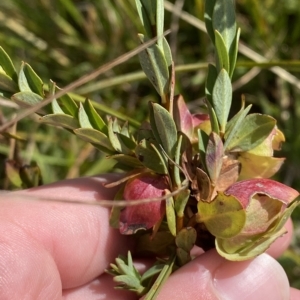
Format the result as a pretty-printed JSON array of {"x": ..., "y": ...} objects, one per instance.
[
  {"x": 245, "y": 246},
  {"x": 229, "y": 173},
  {"x": 199, "y": 119},
  {"x": 244, "y": 190},
  {"x": 214, "y": 156},
  {"x": 182, "y": 116},
  {"x": 261, "y": 213},
  {"x": 143, "y": 216}
]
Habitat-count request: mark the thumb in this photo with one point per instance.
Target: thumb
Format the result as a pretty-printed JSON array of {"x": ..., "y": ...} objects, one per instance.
[{"x": 210, "y": 276}]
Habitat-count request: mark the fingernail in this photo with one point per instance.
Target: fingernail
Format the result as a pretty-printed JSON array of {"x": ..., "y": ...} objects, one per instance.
[{"x": 259, "y": 279}]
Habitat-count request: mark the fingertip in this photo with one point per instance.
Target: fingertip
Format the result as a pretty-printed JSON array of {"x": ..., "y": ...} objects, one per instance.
[
  {"x": 260, "y": 278},
  {"x": 210, "y": 276}
]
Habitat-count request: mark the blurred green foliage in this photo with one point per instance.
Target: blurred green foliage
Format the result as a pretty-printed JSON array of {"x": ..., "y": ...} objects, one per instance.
[{"x": 65, "y": 39}]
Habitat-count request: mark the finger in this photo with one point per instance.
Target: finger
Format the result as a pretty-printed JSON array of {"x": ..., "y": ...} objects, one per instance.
[
  {"x": 99, "y": 288},
  {"x": 103, "y": 287},
  {"x": 27, "y": 270},
  {"x": 210, "y": 276},
  {"x": 78, "y": 237}
]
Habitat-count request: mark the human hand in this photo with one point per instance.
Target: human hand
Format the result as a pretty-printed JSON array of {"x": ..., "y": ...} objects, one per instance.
[{"x": 53, "y": 250}]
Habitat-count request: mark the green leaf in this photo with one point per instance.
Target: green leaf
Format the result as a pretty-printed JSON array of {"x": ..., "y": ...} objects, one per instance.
[
  {"x": 151, "y": 158},
  {"x": 223, "y": 20},
  {"x": 119, "y": 142},
  {"x": 234, "y": 119},
  {"x": 234, "y": 124},
  {"x": 222, "y": 97},
  {"x": 95, "y": 119},
  {"x": 183, "y": 257},
  {"x": 214, "y": 156},
  {"x": 127, "y": 160},
  {"x": 167, "y": 52},
  {"x": 223, "y": 57},
  {"x": 146, "y": 15},
  {"x": 150, "y": 273},
  {"x": 54, "y": 105},
  {"x": 176, "y": 169},
  {"x": 163, "y": 276},
  {"x": 163, "y": 127},
  {"x": 186, "y": 238},
  {"x": 254, "y": 129},
  {"x": 170, "y": 214},
  {"x": 160, "y": 22},
  {"x": 26, "y": 98},
  {"x": 7, "y": 84},
  {"x": 63, "y": 120},
  {"x": 67, "y": 104},
  {"x": 159, "y": 244},
  {"x": 114, "y": 140},
  {"x": 181, "y": 200},
  {"x": 212, "y": 75},
  {"x": 7, "y": 65},
  {"x": 233, "y": 52},
  {"x": 155, "y": 66},
  {"x": 95, "y": 137},
  {"x": 83, "y": 118},
  {"x": 208, "y": 15},
  {"x": 224, "y": 217},
  {"x": 126, "y": 275},
  {"x": 213, "y": 118},
  {"x": 29, "y": 80},
  {"x": 128, "y": 142},
  {"x": 125, "y": 130}
]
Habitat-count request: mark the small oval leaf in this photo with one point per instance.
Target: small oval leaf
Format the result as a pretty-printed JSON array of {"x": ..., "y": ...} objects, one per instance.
[
  {"x": 94, "y": 136},
  {"x": 163, "y": 127},
  {"x": 63, "y": 120},
  {"x": 224, "y": 217},
  {"x": 222, "y": 97},
  {"x": 7, "y": 84},
  {"x": 7, "y": 65},
  {"x": 254, "y": 129}
]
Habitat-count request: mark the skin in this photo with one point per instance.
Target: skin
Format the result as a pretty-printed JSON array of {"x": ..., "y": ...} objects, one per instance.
[{"x": 53, "y": 250}]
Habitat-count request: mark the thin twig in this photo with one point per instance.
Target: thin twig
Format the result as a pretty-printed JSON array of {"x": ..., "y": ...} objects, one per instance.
[{"x": 82, "y": 80}]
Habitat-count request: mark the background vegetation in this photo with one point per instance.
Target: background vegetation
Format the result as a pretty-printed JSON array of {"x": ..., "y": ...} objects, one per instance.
[{"x": 65, "y": 39}]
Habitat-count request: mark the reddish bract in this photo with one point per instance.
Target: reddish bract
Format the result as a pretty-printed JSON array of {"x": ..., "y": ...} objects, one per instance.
[
  {"x": 143, "y": 216},
  {"x": 245, "y": 189}
]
